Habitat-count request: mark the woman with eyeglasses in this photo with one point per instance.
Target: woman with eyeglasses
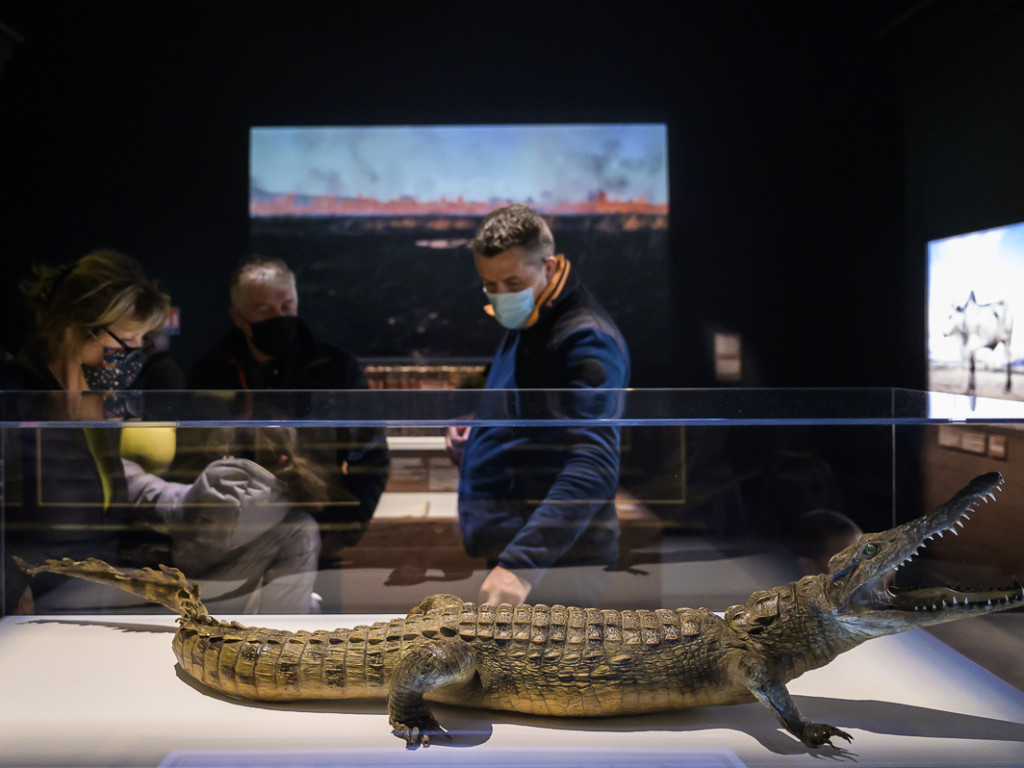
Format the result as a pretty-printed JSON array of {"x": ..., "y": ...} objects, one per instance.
[
  {"x": 71, "y": 491},
  {"x": 65, "y": 491},
  {"x": 92, "y": 318}
]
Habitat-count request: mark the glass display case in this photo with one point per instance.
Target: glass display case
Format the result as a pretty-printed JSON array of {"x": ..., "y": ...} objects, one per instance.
[{"x": 315, "y": 510}]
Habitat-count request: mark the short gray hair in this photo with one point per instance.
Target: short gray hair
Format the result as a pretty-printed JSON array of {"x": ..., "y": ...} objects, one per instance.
[{"x": 258, "y": 269}]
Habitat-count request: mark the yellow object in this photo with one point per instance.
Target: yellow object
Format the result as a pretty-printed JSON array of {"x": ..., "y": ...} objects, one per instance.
[{"x": 151, "y": 446}]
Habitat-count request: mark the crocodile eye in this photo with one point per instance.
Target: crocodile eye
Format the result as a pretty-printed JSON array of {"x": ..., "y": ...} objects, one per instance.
[{"x": 870, "y": 550}]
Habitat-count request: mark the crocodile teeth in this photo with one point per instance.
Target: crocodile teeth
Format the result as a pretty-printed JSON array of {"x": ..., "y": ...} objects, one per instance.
[
  {"x": 958, "y": 522},
  {"x": 966, "y": 516}
]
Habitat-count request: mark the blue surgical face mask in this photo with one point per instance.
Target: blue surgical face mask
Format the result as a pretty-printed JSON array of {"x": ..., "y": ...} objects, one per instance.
[{"x": 512, "y": 310}]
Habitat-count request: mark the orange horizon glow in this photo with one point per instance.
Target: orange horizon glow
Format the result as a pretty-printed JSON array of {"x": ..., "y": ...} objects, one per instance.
[{"x": 329, "y": 205}]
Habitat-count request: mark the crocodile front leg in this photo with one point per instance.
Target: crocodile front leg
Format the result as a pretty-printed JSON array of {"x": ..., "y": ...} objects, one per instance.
[
  {"x": 424, "y": 668},
  {"x": 775, "y": 696}
]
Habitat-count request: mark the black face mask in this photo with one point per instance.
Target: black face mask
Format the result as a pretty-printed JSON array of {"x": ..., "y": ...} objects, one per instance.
[{"x": 274, "y": 337}]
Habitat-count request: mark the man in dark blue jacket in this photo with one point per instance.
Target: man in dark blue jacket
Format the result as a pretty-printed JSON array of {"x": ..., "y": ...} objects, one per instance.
[{"x": 533, "y": 498}]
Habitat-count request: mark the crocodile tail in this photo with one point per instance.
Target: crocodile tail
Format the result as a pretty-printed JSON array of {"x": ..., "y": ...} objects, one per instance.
[{"x": 166, "y": 586}]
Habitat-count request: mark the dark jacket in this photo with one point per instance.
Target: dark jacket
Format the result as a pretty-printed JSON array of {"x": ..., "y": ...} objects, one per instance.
[
  {"x": 309, "y": 364},
  {"x": 65, "y": 493},
  {"x": 540, "y": 496},
  {"x": 352, "y": 461}
]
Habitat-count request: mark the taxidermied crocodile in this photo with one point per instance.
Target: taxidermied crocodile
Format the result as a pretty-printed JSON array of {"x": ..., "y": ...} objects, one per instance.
[{"x": 573, "y": 661}]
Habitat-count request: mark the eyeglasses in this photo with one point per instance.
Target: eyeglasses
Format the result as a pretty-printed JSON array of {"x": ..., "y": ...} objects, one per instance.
[{"x": 143, "y": 349}]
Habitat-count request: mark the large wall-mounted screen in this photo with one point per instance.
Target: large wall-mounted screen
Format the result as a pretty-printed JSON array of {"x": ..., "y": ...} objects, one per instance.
[
  {"x": 975, "y": 291},
  {"x": 376, "y": 221}
]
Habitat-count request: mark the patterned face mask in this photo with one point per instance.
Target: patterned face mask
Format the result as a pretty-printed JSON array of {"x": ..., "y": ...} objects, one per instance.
[
  {"x": 120, "y": 366},
  {"x": 118, "y": 370}
]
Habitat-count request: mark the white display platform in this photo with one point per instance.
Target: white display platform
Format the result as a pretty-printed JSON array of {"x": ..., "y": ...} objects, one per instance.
[{"x": 104, "y": 691}]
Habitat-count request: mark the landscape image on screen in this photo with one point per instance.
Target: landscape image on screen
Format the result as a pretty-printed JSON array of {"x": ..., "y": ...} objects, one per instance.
[
  {"x": 376, "y": 221},
  {"x": 975, "y": 290}
]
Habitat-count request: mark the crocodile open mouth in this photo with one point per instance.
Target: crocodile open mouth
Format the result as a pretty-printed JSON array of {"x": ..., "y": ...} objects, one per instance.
[{"x": 946, "y": 598}]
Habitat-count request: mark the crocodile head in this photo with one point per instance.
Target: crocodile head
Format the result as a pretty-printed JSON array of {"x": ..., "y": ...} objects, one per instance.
[{"x": 859, "y": 584}]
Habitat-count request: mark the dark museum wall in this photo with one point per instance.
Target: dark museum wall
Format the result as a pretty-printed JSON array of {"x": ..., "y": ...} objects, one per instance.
[{"x": 814, "y": 147}]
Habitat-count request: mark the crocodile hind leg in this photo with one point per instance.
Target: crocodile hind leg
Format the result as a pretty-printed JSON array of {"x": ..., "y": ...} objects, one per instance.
[
  {"x": 438, "y": 603},
  {"x": 424, "y": 668}
]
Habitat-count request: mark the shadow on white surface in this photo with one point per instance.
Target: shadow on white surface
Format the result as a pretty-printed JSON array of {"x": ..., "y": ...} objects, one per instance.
[
  {"x": 908, "y": 700},
  {"x": 513, "y": 758},
  {"x": 470, "y": 728}
]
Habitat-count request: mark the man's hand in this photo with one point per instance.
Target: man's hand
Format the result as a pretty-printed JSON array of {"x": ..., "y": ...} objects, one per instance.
[
  {"x": 454, "y": 441},
  {"x": 503, "y": 586}
]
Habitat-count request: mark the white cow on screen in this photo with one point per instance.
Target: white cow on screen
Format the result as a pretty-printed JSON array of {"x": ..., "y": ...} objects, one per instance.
[{"x": 982, "y": 326}]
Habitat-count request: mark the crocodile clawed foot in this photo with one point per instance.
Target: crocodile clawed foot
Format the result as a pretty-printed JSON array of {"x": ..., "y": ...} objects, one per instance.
[
  {"x": 419, "y": 733},
  {"x": 819, "y": 735},
  {"x": 416, "y": 737}
]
